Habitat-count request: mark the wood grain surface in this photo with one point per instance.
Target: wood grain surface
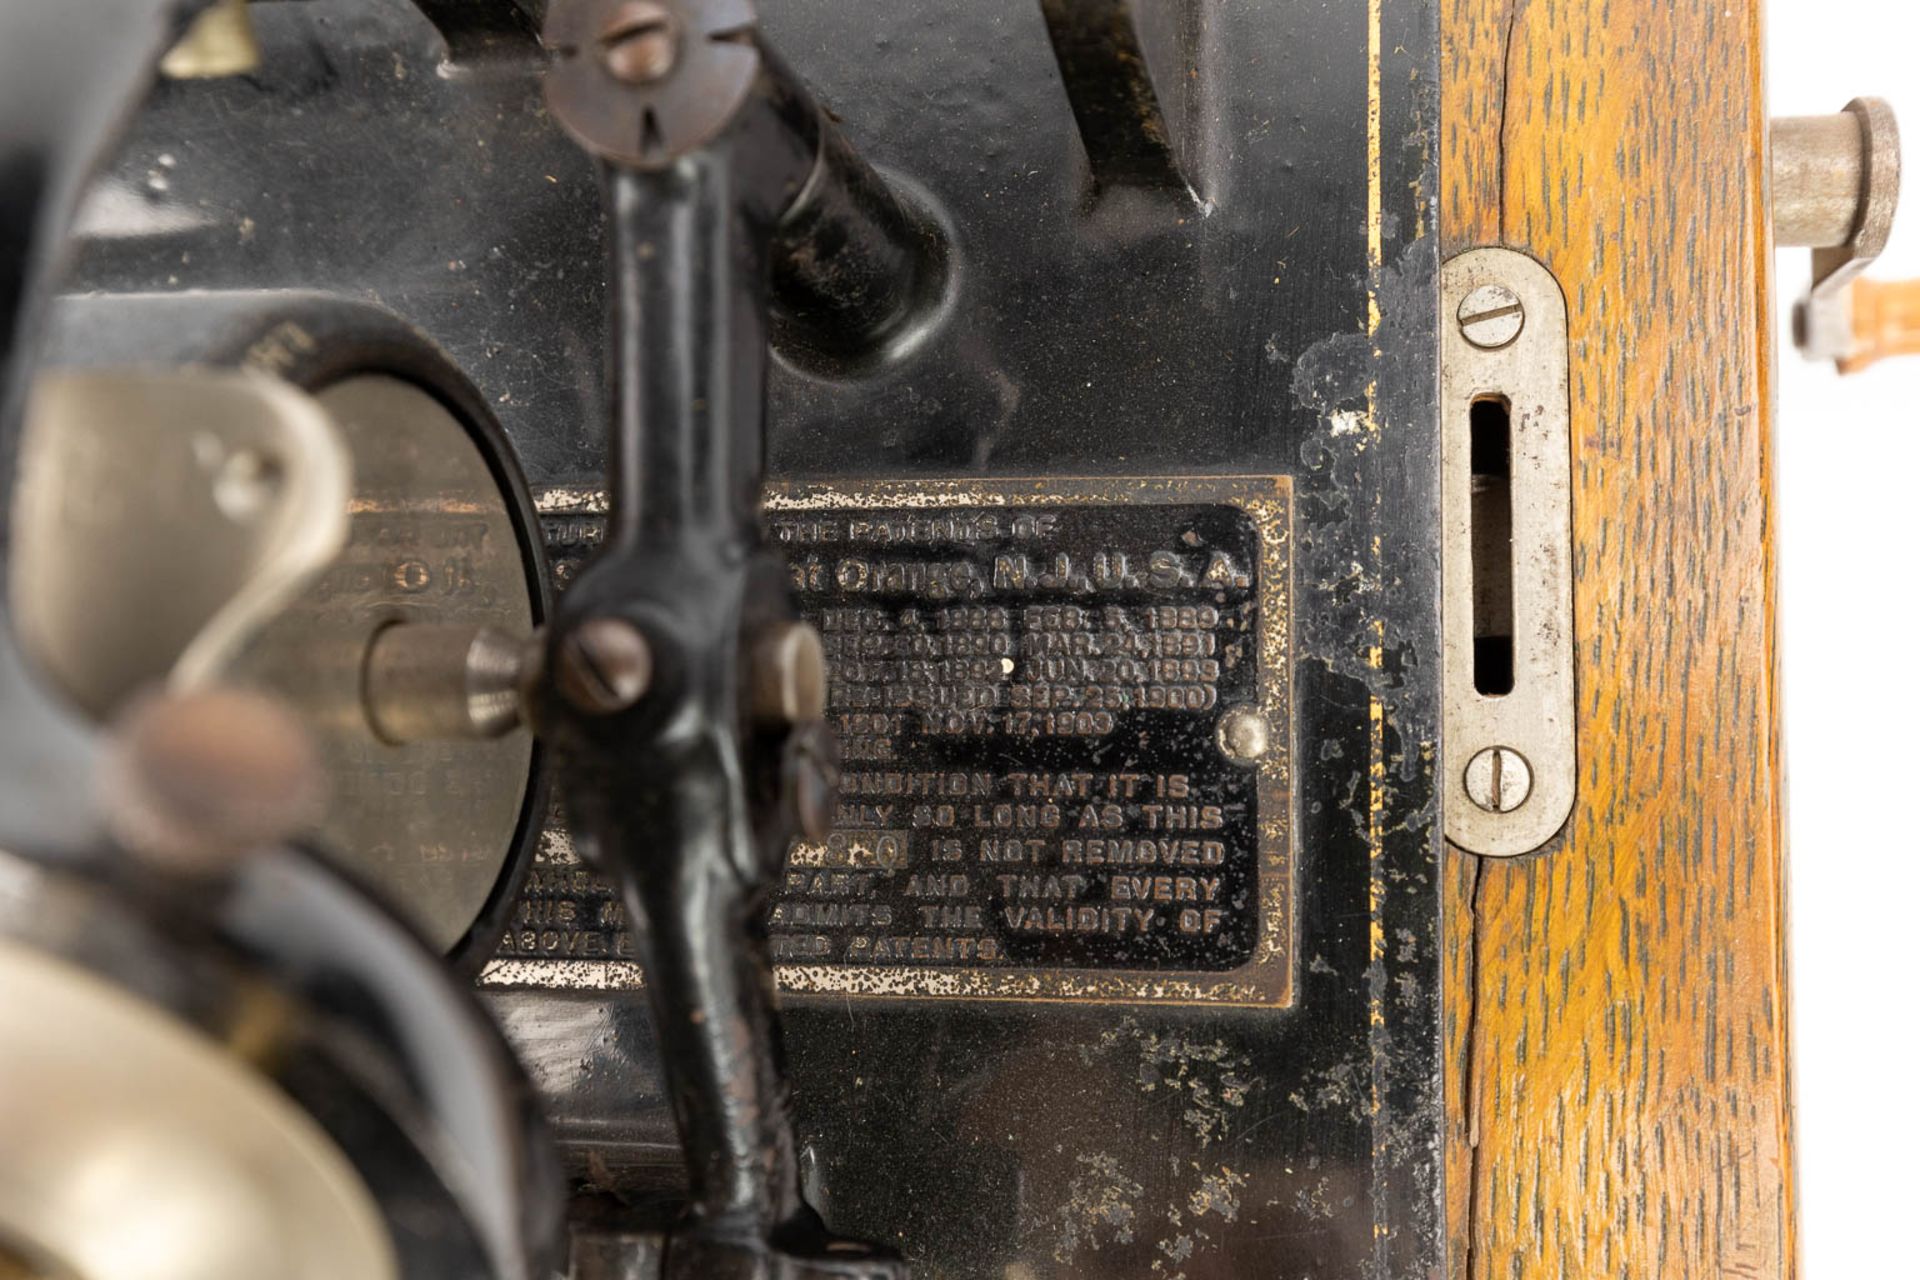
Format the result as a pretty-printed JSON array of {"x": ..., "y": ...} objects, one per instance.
[{"x": 1618, "y": 1049}]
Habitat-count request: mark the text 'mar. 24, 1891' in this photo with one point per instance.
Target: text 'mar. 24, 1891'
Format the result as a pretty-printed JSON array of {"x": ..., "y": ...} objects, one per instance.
[{"x": 1063, "y": 716}]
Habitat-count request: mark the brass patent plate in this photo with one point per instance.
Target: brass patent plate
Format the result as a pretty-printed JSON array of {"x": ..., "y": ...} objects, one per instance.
[{"x": 1063, "y": 708}]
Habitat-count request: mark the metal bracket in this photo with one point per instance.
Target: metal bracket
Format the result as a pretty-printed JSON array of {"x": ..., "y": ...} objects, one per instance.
[
  {"x": 1507, "y": 562},
  {"x": 1836, "y": 185},
  {"x": 164, "y": 519}
]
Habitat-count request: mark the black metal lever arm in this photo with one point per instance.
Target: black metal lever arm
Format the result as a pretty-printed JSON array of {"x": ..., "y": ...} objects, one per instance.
[{"x": 683, "y": 696}]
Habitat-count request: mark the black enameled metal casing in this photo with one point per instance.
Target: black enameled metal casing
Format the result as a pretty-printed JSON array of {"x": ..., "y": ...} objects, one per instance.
[{"x": 1275, "y": 321}]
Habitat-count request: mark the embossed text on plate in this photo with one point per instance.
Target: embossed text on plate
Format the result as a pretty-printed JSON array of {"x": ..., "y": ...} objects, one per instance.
[{"x": 1063, "y": 712}]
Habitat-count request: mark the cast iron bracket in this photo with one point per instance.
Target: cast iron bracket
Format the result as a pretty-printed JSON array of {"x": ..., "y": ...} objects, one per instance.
[{"x": 682, "y": 694}]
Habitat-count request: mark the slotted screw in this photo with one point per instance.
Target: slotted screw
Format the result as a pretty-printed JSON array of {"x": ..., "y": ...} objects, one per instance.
[
  {"x": 1491, "y": 317},
  {"x": 604, "y": 665},
  {"x": 1499, "y": 779},
  {"x": 640, "y": 42}
]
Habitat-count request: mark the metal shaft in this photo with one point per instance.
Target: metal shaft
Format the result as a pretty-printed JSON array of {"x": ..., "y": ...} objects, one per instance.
[
  {"x": 430, "y": 682},
  {"x": 1819, "y": 179},
  {"x": 855, "y": 266}
]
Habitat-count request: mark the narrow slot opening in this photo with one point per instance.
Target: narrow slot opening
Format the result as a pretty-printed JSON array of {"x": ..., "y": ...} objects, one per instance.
[{"x": 1491, "y": 462}]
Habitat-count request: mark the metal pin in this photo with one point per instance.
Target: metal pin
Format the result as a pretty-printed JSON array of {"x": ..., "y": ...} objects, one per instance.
[
  {"x": 787, "y": 675},
  {"x": 1244, "y": 735}
]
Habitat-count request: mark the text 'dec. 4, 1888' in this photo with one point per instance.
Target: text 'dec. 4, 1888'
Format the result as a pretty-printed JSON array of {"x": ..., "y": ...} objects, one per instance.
[{"x": 1063, "y": 715}]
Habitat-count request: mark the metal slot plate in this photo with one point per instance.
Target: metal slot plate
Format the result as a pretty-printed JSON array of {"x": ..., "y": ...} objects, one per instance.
[{"x": 1534, "y": 721}]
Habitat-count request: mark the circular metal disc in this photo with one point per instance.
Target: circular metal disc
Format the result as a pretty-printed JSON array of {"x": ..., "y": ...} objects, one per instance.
[
  {"x": 431, "y": 824},
  {"x": 650, "y": 126},
  {"x": 138, "y": 1149}
]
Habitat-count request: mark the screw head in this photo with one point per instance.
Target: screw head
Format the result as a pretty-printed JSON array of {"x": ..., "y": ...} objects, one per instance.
[
  {"x": 1244, "y": 735},
  {"x": 1491, "y": 317},
  {"x": 603, "y": 665},
  {"x": 787, "y": 675},
  {"x": 640, "y": 42},
  {"x": 1499, "y": 779}
]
